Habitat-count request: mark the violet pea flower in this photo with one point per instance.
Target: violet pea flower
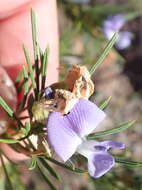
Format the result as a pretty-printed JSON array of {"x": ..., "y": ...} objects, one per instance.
[
  {"x": 115, "y": 23},
  {"x": 67, "y": 135}
]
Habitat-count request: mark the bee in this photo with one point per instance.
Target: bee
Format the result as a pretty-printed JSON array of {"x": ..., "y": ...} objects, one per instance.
[{"x": 62, "y": 96}]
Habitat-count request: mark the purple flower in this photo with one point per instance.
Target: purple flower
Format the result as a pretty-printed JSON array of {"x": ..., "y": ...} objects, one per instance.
[
  {"x": 66, "y": 134},
  {"x": 124, "y": 40},
  {"x": 113, "y": 24}
]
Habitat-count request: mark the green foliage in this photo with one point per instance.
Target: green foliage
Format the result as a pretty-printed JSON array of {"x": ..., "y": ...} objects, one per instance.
[
  {"x": 38, "y": 71},
  {"x": 33, "y": 163},
  {"x": 6, "y": 107},
  {"x": 26, "y": 84},
  {"x": 44, "y": 67},
  {"x": 112, "y": 131},
  {"x": 9, "y": 141},
  {"x": 128, "y": 163},
  {"x": 46, "y": 165},
  {"x": 31, "y": 71},
  {"x": 104, "y": 53},
  {"x": 105, "y": 103},
  {"x": 75, "y": 170},
  {"x": 45, "y": 176},
  {"x": 34, "y": 35}
]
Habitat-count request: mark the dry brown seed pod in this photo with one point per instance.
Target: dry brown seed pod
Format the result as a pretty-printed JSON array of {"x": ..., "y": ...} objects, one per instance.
[
  {"x": 78, "y": 81},
  {"x": 77, "y": 84}
]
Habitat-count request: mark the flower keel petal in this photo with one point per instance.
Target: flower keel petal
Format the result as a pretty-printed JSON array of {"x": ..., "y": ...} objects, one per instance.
[
  {"x": 112, "y": 144},
  {"x": 99, "y": 164}
]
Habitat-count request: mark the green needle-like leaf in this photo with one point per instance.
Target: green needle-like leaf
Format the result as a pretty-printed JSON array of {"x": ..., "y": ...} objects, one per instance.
[
  {"x": 45, "y": 62},
  {"x": 33, "y": 163},
  {"x": 28, "y": 127},
  {"x": 34, "y": 34},
  {"x": 31, "y": 72},
  {"x": 105, "y": 52},
  {"x": 46, "y": 178},
  {"x": 9, "y": 141},
  {"x": 128, "y": 163},
  {"x": 25, "y": 85},
  {"x": 44, "y": 67},
  {"x": 6, "y": 107},
  {"x": 35, "y": 47},
  {"x": 25, "y": 74},
  {"x": 105, "y": 103},
  {"x": 111, "y": 131},
  {"x": 49, "y": 168},
  {"x": 76, "y": 170}
]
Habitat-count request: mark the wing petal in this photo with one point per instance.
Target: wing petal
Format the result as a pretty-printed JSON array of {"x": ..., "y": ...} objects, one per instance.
[
  {"x": 85, "y": 117},
  {"x": 61, "y": 136}
]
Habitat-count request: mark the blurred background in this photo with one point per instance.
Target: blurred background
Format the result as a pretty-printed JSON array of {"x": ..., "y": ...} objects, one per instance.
[{"x": 85, "y": 27}]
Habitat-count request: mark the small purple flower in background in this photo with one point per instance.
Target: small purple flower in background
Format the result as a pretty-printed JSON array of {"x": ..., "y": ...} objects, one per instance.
[
  {"x": 113, "y": 24},
  {"x": 67, "y": 135},
  {"x": 124, "y": 40}
]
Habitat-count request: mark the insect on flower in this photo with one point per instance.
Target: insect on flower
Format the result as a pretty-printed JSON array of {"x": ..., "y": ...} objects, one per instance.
[
  {"x": 72, "y": 117},
  {"x": 61, "y": 97},
  {"x": 67, "y": 133}
]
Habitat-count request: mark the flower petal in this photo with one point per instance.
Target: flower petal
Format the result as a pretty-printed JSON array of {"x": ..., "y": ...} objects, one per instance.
[
  {"x": 124, "y": 40},
  {"x": 85, "y": 117},
  {"x": 112, "y": 144},
  {"x": 89, "y": 147},
  {"x": 99, "y": 164},
  {"x": 99, "y": 160},
  {"x": 61, "y": 136},
  {"x": 114, "y": 23},
  {"x": 65, "y": 132}
]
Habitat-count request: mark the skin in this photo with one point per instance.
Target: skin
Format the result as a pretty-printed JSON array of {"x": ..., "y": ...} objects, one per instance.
[{"x": 15, "y": 29}]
